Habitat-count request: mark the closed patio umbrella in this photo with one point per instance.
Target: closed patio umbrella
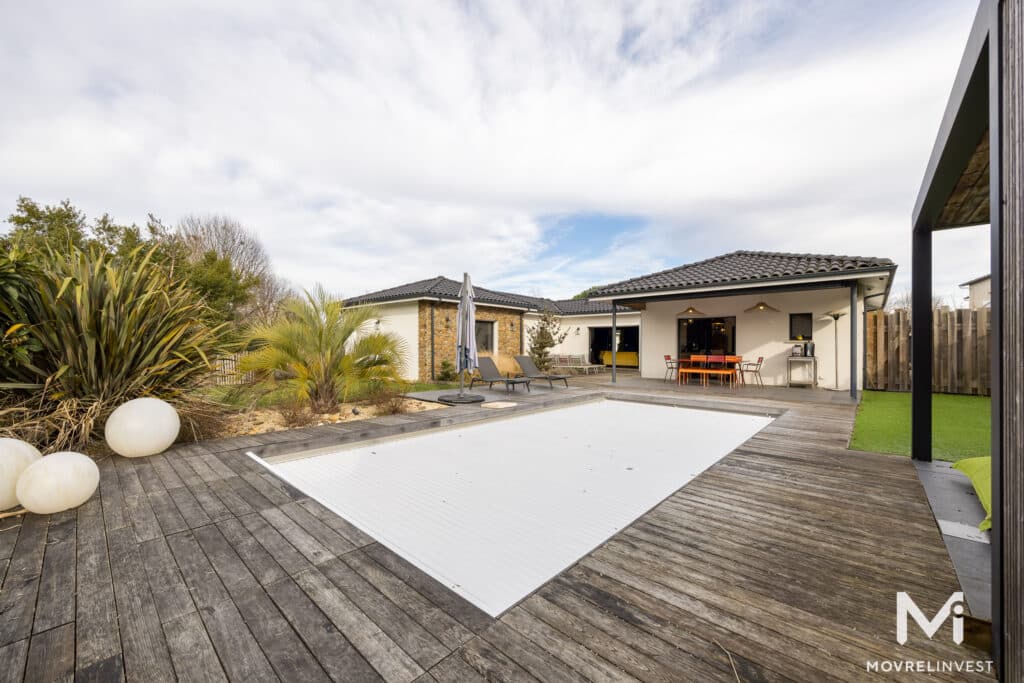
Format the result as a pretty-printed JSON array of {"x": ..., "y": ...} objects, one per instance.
[{"x": 466, "y": 359}]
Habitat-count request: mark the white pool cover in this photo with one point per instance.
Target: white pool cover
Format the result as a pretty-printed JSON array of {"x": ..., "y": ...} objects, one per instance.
[{"x": 495, "y": 510}]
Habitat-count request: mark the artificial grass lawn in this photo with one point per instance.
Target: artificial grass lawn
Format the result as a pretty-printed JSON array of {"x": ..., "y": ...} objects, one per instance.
[{"x": 960, "y": 425}]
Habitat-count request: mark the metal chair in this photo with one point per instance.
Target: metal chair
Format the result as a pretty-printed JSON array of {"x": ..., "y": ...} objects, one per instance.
[
  {"x": 671, "y": 367},
  {"x": 753, "y": 368}
]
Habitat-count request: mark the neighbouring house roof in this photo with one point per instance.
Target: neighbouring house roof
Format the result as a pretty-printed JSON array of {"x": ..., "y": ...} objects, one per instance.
[
  {"x": 446, "y": 289},
  {"x": 976, "y": 280},
  {"x": 746, "y": 267}
]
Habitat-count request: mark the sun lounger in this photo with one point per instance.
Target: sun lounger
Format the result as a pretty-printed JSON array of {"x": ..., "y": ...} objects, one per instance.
[
  {"x": 531, "y": 371},
  {"x": 489, "y": 373}
]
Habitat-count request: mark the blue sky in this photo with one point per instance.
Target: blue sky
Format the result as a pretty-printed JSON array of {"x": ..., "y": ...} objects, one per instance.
[{"x": 543, "y": 147}]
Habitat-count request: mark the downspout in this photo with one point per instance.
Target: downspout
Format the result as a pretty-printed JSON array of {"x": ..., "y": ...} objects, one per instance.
[
  {"x": 433, "y": 307},
  {"x": 522, "y": 331}
]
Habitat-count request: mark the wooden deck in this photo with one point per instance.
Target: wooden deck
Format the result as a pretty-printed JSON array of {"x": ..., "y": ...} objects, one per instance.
[{"x": 783, "y": 561}]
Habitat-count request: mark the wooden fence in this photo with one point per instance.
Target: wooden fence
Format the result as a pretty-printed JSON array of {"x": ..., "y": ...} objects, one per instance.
[
  {"x": 960, "y": 351},
  {"x": 226, "y": 372}
]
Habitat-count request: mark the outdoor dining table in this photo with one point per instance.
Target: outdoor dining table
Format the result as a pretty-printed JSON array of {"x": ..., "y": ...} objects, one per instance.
[{"x": 696, "y": 364}]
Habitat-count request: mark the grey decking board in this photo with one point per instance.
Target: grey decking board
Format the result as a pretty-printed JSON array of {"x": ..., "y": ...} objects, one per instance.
[
  {"x": 192, "y": 652},
  {"x": 166, "y": 512},
  {"x": 13, "y": 657},
  {"x": 336, "y": 655},
  {"x": 458, "y": 607},
  {"x": 97, "y": 635},
  {"x": 328, "y": 537},
  {"x": 189, "y": 508},
  {"x": 21, "y": 584},
  {"x": 142, "y": 640},
  {"x": 260, "y": 562},
  {"x": 446, "y": 629},
  {"x": 170, "y": 594},
  {"x": 415, "y": 640},
  {"x": 51, "y": 655},
  {"x": 393, "y": 664},
  {"x": 731, "y": 527},
  {"x": 55, "y": 603},
  {"x": 283, "y": 552},
  {"x": 281, "y": 645},
  {"x": 233, "y": 573}
]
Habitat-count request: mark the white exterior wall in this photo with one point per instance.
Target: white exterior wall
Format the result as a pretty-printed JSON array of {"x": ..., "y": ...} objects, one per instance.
[
  {"x": 763, "y": 333},
  {"x": 579, "y": 344},
  {"x": 980, "y": 294},
  {"x": 403, "y": 320}
]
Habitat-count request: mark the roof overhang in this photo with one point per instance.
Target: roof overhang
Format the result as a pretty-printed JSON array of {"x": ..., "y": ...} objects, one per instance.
[
  {"x": 804, "y": 282},
  {"x": 435, "y": 299},
  {"x": 955, "y": 190}
]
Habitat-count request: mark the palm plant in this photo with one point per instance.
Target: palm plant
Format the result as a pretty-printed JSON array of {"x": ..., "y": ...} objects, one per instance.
[{"x": 324, "y": 352}]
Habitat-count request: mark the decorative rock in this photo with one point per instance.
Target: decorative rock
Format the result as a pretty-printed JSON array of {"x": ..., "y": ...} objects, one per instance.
[
  {"x": 57, "y": 482},
  {"x": 15, "y": 456},
  {"x": 144, "y": 426}
]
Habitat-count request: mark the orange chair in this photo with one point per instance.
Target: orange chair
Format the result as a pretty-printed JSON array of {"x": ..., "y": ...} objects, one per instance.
[{"x": 694, "y": 366}]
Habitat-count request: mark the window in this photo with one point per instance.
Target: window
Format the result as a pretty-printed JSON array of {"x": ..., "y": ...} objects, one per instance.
[
  {"x": 801, "y": 326},
  {"x": 485, "y": 335}
]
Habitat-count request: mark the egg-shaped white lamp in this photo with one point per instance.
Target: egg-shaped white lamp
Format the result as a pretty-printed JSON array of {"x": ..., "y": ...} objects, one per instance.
[
  {"x": 56, "y": 482},
  {"x": 15, "y": 456},
  {"x": 141, "y": 427}
]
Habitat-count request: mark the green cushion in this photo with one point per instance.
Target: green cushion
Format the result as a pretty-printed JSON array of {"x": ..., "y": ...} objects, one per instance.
[{"x": 979, "y": 471}]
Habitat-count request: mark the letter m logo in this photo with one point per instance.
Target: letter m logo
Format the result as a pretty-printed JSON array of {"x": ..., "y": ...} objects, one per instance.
[{"x": 905, "y": 607}]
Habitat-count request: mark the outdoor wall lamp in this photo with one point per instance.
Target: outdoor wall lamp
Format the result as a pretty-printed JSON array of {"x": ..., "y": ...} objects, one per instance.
[
  {"x": 761, "y": 306},
  {"x": 690, "y": 311},
  {"x": 577, "y": 331}
]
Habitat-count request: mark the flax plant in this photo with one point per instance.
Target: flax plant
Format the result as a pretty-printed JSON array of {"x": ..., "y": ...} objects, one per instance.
[{"x": 109, "y": 329}]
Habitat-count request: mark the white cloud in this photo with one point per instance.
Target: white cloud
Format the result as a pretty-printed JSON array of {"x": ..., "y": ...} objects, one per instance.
[{"x": 371, "y": 144}]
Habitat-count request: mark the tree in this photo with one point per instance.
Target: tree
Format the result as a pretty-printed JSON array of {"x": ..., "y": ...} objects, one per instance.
[
  {"x": 322, "y": 351},
  {"x": 222, "y": 287},
  {"x": 587, "y": 293},
  {"x": 230, "y": 240},
  {"x": 546, "y": 334},
  {"x": 904, "y": 300},
  {"x": 60, "y": 227}
]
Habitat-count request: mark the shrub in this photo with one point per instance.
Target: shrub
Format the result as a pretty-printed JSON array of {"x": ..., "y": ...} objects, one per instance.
[
  {"x": 18, "y": 348},
  {"x": 388, "y": 398},
  {"x": 294, "y": 413},
  {"x": 546, "y": 334},
  {"x": 447, "y": 371},
  {"x": 323, "y": 352},
  {"x": 109, "y": 329}
]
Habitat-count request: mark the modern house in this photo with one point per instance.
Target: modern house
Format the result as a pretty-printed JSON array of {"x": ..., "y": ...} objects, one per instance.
[
  {"x": 975, "y": 175},
  {"x": 422, "y": 314},
  {"x": 979, "y": 292},
  {"x": 753, "y": 304},
  {"x": 801, "y": 313}
]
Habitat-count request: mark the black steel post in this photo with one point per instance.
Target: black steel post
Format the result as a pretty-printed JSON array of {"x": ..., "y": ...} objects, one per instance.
[
  {"x": 615, "y": 334},
  {"x": 921, "y": 346},
  {"x": 853, "y": 341}
]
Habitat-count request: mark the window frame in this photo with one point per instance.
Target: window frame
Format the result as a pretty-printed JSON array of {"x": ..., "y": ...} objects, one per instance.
[{"x": 810, "y": 326}]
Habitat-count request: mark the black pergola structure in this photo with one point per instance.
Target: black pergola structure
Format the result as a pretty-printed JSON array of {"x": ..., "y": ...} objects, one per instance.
[{"x": 974, "y": 177}]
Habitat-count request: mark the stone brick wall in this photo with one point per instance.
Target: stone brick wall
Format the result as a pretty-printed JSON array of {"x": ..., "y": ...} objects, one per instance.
[{"x": 508, "y": 326}]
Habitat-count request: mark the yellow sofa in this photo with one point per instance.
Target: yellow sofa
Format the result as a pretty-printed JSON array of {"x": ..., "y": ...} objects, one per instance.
[{"x": 626, "y": 359}]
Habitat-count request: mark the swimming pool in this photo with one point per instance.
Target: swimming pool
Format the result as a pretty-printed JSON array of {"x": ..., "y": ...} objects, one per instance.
[{"x": 496, "y": 509}]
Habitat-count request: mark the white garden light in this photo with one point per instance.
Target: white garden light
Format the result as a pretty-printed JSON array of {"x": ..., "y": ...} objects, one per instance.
[
  {"x": 144, "y": 426},
  {"x": 57, "y": 482},
  {"x": 15, "y": 456}
]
